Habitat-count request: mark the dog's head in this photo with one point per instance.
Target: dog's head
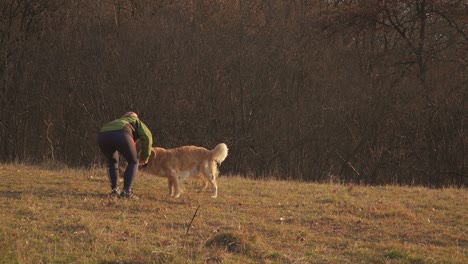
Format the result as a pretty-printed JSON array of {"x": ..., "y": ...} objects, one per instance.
[{"x": 150, "y": 159}]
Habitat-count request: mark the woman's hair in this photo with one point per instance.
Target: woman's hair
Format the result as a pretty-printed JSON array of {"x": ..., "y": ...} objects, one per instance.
[{"x": 131, "y": 114}]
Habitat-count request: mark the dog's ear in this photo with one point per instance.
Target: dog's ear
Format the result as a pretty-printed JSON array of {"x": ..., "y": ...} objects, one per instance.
[{"x": 152, "y": 155}]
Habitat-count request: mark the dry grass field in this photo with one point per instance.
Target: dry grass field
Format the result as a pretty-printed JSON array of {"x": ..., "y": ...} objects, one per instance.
[{"x": 64, "y": 216}]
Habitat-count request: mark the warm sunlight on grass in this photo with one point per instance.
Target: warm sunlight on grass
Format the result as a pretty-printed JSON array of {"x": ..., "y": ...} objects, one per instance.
[{"x": 64, "y": 216}]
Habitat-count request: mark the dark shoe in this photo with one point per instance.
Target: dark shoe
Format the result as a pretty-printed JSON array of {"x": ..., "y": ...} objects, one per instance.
[
  {"x": 128, "y": 195},
  {"x": 114, "y": 193}
]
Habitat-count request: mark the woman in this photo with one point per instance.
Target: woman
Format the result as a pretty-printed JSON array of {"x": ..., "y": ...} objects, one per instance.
[{"x": 119, "y": 136}]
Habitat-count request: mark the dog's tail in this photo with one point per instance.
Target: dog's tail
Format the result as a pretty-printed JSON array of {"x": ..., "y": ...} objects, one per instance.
[{"x": 219, "y": 153}]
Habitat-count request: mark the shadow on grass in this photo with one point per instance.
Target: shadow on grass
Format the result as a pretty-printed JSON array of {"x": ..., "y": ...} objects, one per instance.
[
  {"x": 122, "y": 262},
  {"x": 11, "y": 194},
  {"x": 41, "y": 192}
]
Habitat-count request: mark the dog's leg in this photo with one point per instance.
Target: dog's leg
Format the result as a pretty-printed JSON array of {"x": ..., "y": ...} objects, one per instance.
[
  {"x": 214, "y": 185},
  {"x": 176, "y": 185},
  {"x": 170, "y": 184},
  {"x": 204, "y": 185},
  {"x": 215, "y": 189},
  {"x": 211, "y": 175}
]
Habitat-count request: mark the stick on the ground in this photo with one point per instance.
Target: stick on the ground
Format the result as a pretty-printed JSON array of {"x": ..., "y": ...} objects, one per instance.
[{"x": 190, "y": 224}]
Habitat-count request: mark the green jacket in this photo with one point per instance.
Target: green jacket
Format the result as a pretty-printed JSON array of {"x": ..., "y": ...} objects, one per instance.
[{"x": 137, "y": 129}]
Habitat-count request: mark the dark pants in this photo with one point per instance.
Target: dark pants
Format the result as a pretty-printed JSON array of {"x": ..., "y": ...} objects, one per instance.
[{"x": 111, "y": 144}]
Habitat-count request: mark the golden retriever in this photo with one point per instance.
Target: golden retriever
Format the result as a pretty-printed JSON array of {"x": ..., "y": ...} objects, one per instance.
[{"x": 188, "y": 161}]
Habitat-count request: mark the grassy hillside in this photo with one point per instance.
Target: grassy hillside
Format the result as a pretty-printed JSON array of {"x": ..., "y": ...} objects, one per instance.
[{"x": 64, "y": 216}]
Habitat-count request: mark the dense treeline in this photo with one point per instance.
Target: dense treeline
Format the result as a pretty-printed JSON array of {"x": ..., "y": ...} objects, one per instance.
[{"x": 371, "y": 92}]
